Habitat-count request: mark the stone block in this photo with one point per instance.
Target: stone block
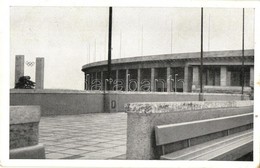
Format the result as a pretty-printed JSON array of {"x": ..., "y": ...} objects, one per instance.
[
  {"x": 24, "y": 133},
  {"x": 24, "y": 114},
  {"x": 31, "y": 152}
]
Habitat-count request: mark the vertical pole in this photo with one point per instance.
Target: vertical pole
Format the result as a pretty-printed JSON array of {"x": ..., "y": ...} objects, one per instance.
[
  {"x": 120, "y": 44},
  {"x": 243, "y": 70},
  {"x": 142, "y": 40},
  {"x": 209, "y": 35},
  {"x": 201, "y": 54},
  {"x": 109, "y": 47},
  {"x": 88, "y": 52},
  {"x": 171, "y": 36}
]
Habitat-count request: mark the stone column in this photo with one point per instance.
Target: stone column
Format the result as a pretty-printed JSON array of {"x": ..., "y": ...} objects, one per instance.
[
  {"x": 85, "y": 81},
  {"x": 39, "y": 76},
  {"x": 138, "y": 79},
  {"x": 169, "y": 79},
  {"x": 152, "y": 79},
  {"x": 19, "y": 67},
  {"x": 101, "y": 79},
  {"x": 96, "y": 78},
  {"x": 251, "y": 76},
  {"x": 195, "y": 78},
  {"x": 117, "y": 80},
  {"x": 186, "y": 79},
  {"x": 223, "y": 76},
  {"x": 126, "y": 79}
]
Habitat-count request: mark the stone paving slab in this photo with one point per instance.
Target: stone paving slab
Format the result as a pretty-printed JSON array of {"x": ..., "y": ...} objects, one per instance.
[{"x": 97, "y": 136}]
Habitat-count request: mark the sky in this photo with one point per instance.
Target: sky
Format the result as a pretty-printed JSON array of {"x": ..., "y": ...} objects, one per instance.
[{"x": 70, "y": 37}]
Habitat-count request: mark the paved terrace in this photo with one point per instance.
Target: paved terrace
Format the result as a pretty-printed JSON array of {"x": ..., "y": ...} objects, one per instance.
[{"x": 88, "y": 136}]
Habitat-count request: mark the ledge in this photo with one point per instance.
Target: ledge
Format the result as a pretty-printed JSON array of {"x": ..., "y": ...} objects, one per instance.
[
  {"x": 24, "y": 114},
  {"x": 29, "y": 152},
  {"x": 48, "y": 91},
  {"x": 164, "y": 107}
]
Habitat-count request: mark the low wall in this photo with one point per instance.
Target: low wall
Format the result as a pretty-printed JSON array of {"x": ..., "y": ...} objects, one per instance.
[
  {"x": 59, "y": 102},
  {"x": 143, "y": 117},
  {"x": 63, "y": 102},
  {"x": 122, "y": 98}
]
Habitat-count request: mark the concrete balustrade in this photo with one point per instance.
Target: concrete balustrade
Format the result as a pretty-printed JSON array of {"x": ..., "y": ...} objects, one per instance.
[
  {"x": 24, "y": 133},
  {"x": 143, "y": 117}
]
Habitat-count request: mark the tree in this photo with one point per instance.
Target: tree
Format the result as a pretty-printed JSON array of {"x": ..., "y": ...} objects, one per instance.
[{"x": 25, "y": 83}]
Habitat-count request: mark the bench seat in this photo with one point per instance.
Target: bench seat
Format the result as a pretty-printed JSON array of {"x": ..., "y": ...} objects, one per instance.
[
  {"x": 226, "y": 148},
  {"x": 231, "y": 146}
]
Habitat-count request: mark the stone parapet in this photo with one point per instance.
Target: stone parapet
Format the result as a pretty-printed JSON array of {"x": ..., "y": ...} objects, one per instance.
[
  {"x": 143, "y": 117},
  {"x": 164, "y": 107},
  {"x": 24, "y": 133}
]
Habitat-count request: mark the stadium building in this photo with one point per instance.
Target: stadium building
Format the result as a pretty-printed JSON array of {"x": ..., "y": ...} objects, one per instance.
[{"x": 222, "y": 73}]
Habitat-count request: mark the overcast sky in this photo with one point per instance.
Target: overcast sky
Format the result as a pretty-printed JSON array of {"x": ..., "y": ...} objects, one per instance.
[{"x": 69, "y": 37}]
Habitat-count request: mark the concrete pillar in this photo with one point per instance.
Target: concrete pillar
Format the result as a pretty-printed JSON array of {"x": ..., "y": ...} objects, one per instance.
[
  {"x": 186, "y": 79},
  {"x": 228, "y": 78},
  {"x": 101, "y": 79},
  {"x": 195, "y": 77},
  {"x": 152, "y": 79},
  {"x": 126, "y": 79},
  {"x": 117, "y": 73},
  {"x": 19, "y": 67},
  {"x": 251, "y": 76},
  {"x": 138, "y": 79},
  {"x": 223, "y": 76},
  {"x": 96, "y": 78},
  {"x": 169, "y": 79},
  {"x": 39, "y": 75},
  {"x": 85, "y": 81}
]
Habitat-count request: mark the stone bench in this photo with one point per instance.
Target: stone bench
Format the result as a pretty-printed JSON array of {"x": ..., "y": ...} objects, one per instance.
[
  {"x": 143, "y": 117},
  {"x": 230, "y": 146},
  {"x": 24, "y": 133}
]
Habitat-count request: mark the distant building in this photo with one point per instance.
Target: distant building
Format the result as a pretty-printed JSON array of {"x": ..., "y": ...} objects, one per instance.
[{"x": 174, "y": 72}]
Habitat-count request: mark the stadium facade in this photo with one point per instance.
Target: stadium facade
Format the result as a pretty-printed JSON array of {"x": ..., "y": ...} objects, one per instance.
[{"x": 175, "y": 73}]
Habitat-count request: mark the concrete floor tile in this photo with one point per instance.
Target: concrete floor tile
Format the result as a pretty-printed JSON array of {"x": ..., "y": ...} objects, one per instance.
[
  {"x": 54, "y": 148},
  {"x": 90, "y": 148},
  {"x": 56, "y": 155},
  {"x": 69, "y": 145},
  {"x": 74, "y": 151},
  {"x": 105, "y": 145},
  {"x": 84, "y": 143}
]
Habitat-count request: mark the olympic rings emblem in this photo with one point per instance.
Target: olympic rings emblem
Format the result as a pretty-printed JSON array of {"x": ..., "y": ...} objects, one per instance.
[{"x": 28, "y": 63}]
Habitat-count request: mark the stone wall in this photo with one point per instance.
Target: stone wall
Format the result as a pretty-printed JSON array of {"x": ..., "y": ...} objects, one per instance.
[
  {"x": 143, "y": 117},
  {"x": 24, "y": 133},
  {"x": 63, "y": 102},
  {"x": 59, "y": 102}
]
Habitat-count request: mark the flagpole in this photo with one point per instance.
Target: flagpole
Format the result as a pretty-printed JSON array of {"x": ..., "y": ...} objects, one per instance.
[
  {"x": 243, "y": 48},
  {"x": 201, "y": 56},
  {"x": 109, "y": 46}
]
